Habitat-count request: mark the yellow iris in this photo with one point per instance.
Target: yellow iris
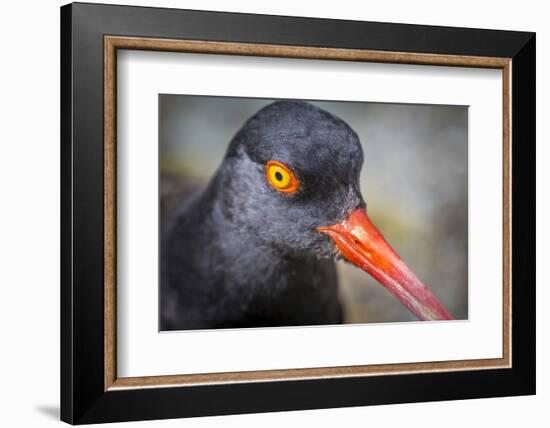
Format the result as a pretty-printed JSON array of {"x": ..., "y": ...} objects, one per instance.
[{"x": 280, "y": 177}]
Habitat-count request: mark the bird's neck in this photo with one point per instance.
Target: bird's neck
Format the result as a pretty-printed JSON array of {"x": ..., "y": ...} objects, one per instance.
[
  {"x": 222, "y": 216},
  {"x": 210, "y": 256}
]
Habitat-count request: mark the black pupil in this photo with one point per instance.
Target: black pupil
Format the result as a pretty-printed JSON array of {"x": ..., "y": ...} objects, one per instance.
[{"x": 278, "y": 176}]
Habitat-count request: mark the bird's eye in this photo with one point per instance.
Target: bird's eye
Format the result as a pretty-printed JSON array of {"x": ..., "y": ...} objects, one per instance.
[{"x": 281, "y": 177}]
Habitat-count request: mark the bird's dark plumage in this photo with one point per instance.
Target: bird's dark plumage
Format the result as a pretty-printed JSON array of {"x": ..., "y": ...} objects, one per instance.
[{"x": 241, "y": 254}]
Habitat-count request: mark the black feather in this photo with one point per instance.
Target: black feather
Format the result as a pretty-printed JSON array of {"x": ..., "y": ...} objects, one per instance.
[{"x": 241, "y": 254}]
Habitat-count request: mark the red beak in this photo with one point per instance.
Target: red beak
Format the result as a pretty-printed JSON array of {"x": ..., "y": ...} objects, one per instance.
[{"x": 360, "y": 242}]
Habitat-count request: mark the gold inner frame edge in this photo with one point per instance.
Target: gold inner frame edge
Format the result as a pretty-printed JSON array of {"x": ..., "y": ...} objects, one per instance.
[{"x": 113, "y": 43}]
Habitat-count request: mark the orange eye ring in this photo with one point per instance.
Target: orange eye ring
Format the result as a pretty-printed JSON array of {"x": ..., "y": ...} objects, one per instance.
[{"x": 280, "y": 177}]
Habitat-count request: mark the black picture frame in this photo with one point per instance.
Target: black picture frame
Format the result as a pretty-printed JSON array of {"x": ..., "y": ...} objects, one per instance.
[{"x": 83, "y": 396}]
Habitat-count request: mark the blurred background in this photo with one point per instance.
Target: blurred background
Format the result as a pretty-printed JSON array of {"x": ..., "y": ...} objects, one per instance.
[{"x": 414, "y": 180}]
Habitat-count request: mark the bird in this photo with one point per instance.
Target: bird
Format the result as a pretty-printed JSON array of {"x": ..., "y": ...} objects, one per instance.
[{"x": 257, "y": 246}]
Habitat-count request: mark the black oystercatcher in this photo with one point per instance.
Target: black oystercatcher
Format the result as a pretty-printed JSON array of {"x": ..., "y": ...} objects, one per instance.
[{"x": 257, "y": 246}]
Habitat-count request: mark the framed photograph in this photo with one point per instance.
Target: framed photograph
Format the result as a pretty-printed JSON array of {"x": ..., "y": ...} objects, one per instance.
[{"x": 265, "y": 213}]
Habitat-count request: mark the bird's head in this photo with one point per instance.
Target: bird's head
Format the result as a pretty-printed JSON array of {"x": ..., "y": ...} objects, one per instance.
[{"x": 291, "y": 177}]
